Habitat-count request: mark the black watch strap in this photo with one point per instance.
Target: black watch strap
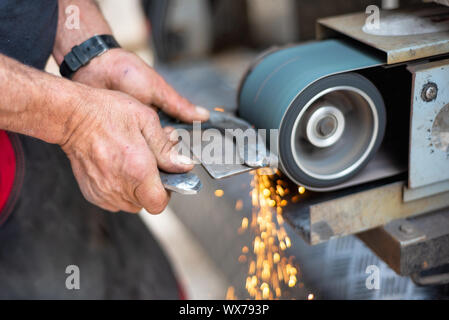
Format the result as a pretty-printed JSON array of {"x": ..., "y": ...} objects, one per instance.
[{"x": 85, "y": 52}]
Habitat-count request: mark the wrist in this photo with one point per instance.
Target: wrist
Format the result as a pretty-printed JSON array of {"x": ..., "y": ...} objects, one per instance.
[
  {"x": 99, "y": 71},
  {"x": 82, "y": 54}
]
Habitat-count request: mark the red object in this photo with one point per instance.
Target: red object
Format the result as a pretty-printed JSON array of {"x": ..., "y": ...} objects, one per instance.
[
  {"x": 7, "y": 171},
  {"x": 181, "y": 292}
]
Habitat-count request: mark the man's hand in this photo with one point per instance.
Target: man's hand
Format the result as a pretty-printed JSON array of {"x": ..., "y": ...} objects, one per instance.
[
  {"x": 115, "y": 150},
  {"x": 124, "y": 71},
  {"x": 114, "y": 142}
]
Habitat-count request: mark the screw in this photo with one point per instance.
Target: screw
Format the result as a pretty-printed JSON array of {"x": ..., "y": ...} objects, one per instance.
[
  {"x": 429, "y": 92},
  {"x": 405, "y": 228}
]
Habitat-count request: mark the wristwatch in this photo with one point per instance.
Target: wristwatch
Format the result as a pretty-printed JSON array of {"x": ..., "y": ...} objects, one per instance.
[{"x": 82, "y": 54}]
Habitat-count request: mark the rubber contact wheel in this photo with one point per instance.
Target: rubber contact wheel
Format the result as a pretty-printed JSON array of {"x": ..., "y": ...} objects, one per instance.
[{"x": 331, "y": 131}]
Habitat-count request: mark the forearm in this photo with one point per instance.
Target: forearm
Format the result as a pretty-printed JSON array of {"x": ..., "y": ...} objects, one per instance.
[
  {"x": 37, "y": 104},
  {"x": 92, "y": 22}
]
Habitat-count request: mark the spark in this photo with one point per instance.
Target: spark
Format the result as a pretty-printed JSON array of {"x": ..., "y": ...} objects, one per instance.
[
  {"x": 239, "y": 205},
  {"x": 230, "y": 294},
  {"x": 269, "y": 270},
  {"x": 244, "y": 223}
]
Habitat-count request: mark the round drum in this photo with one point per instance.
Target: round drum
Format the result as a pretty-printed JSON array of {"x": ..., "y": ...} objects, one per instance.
[{"x": 331, "y": 120}]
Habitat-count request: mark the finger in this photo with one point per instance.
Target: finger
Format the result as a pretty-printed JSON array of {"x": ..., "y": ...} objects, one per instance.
[
  {"x": 173, "y": 136},
  {"x": 163, "y": 149},
  {"x": 151, "y": 194},
  {"x": 169, "y": 101},
  {"x": 89, "y": 193}
]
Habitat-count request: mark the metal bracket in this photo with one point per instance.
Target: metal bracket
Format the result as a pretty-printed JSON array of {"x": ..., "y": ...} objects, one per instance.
[
  {"x": 429, "y": 131},
  {"x": 411, "y": 246},
  {"x": 320, "y": 218}
]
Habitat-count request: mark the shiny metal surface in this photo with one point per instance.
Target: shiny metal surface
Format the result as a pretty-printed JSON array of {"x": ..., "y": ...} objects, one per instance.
[
  {"x": 325, "y": 126},
  {"x": 252, "y": 154},
  {"x": 402, "y": 35},
  {"x": 429, "y": 126},
  {"x": 184, "y": 183}
]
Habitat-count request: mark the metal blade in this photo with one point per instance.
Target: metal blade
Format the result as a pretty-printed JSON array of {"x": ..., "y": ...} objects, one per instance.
[{"x": 252, "y": 155}]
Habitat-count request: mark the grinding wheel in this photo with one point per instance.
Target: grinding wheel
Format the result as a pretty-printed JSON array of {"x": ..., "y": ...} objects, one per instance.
[{"x": 331, "y": 120}]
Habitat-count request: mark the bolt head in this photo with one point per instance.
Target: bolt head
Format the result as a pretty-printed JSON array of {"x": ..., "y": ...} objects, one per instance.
[
  {"x": 405, "y": 228},
  {"x": 429, "y": 92}
]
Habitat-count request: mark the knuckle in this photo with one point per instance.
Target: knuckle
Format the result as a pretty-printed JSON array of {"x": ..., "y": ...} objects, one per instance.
[
  {"x": 149, "y": 114},
  {"x": 148, "y": 117}
]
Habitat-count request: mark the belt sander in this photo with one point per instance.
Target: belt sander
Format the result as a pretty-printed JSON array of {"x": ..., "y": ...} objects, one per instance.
[
  {"x": 342, "y": 104},
  {"x": 363, "y": 117}
]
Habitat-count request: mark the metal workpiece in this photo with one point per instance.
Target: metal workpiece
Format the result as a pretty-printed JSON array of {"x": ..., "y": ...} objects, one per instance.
[
  {"x": 320, "y": 218},
  {"x": 401, "y": 35},
  {"x": 241, "y": 147},
  {"x": 412, "y": 245},
  {"x": 183, "y": 183},
  {"x": 217, "y": 120},
  {"x": 429, "y": 128}
]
